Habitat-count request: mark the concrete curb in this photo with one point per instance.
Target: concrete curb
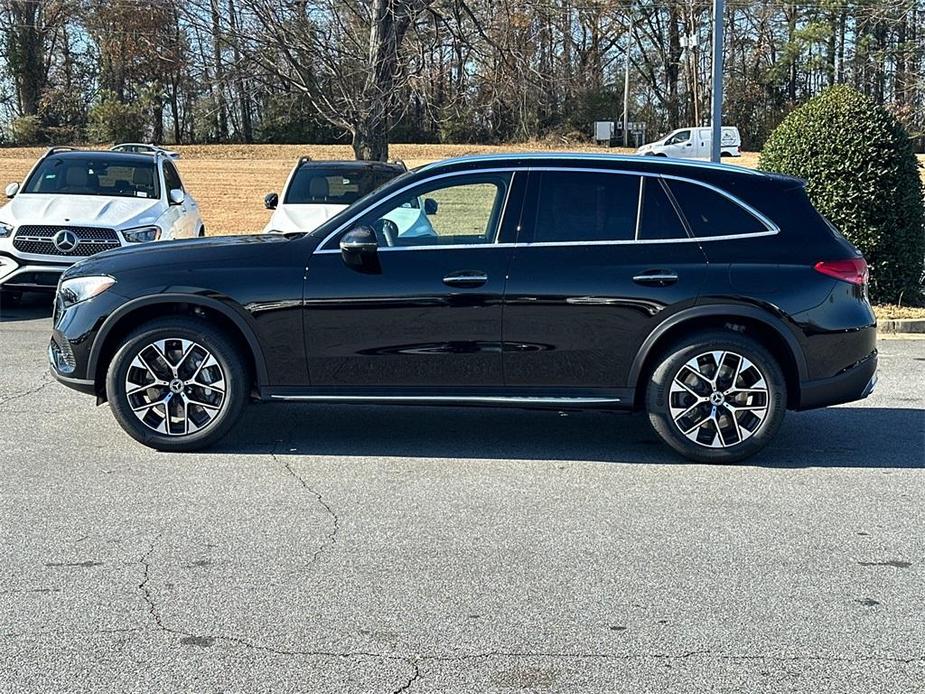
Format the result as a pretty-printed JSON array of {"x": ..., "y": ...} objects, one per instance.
[{"x": 911, "y": 325}]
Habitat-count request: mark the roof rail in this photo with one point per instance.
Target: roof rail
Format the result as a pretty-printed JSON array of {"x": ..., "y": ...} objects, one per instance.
[
  {"x": 304, "y": 159},
  {"x": 58, "y": 148}
]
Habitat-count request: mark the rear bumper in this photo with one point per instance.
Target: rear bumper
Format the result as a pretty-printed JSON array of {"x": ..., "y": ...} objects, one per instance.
[{"x": 854, "y": 383}]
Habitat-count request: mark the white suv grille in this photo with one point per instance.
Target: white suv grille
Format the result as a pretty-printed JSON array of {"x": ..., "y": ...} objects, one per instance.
[{"x": 41, "y": 240}]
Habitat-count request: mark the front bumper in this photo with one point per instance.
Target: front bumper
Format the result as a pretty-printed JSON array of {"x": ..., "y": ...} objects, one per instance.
[
  {"x": 74, "y": 331},
  {"x": 25, "y": 275},
  {"x": 854, "y": 383}
]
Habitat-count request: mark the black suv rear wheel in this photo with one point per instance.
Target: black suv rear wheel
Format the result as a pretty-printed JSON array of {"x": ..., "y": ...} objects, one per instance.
[
  {"x": 717, "y": 397},
  {"x": 177, "y": 384}
]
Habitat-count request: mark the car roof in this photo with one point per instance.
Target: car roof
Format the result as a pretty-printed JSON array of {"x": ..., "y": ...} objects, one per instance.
[
  {"x": 566, "y": 159},
  {"x": 127, "y": 157},
  {"x": 350, "y": 164},
  {"x": 697, "y": 170}
]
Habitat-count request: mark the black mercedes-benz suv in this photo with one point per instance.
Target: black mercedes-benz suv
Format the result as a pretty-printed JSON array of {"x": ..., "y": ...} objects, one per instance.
[{"x": 712, "y": 297}]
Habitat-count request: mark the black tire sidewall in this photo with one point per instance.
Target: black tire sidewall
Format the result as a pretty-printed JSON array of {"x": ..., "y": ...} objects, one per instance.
[
  {"x": 670, "y": 362},
  {"x": 222, "y": 349}
]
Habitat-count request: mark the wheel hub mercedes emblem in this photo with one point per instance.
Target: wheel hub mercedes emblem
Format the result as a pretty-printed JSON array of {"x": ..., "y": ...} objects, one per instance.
[
  {"x": 717, "y": 399},
  {"x": 65, "y": 240}
]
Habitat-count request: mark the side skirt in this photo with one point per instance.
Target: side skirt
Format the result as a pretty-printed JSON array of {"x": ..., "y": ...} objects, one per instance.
[{"x": 611, "y": 398}]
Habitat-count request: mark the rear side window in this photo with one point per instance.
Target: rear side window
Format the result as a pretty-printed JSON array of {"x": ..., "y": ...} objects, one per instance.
[
  {"x": 709, "y": 213},
  {"x": 659, "y": 218},
  {"x": 586, "y": 206}
]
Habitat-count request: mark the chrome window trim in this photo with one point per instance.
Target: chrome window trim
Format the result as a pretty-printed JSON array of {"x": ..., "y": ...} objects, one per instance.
[
  {"x": 642, "y": 183},
  {"x": 771, "y": 228},
  {"x": 447, "y": 246},
  {"x": 642, "y": 242},
  {"x": 589, "y": 156}
]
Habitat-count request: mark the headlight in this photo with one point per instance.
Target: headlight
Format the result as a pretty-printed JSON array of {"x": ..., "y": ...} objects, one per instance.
[
  {"x": 142, "y": 234},
  {"x": 73, "y": 291},
  {"x": 5, "y": 230}
]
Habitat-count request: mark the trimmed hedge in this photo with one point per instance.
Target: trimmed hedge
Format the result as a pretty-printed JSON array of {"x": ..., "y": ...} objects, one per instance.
[{"x": 862, "y": 174}]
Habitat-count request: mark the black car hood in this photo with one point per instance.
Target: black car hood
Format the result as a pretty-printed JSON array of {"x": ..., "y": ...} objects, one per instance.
[{"x": 203, "y": 252}]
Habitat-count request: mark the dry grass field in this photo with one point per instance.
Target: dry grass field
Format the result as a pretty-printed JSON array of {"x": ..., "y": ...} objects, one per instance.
[{"x": 229, "y": 181}]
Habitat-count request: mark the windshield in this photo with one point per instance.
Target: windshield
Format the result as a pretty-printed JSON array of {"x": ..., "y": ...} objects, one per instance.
[
  {"x": 313, "y": 185},
  {"x": 364, "y": 202},
  {"x": 94, "y": 175}
]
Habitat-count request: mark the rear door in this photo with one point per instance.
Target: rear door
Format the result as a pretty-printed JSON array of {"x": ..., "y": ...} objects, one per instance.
[{"x": 602, "y": 258}]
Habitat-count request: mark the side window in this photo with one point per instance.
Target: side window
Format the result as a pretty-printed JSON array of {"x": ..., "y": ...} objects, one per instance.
[
  {"x": 171, "y": 177},
  {"x": 709, "y": 213},
  {"x": 680, "y": 137},
  {"x": 463, "y": 210},
  {"x": 659, "y": 218},
  {"x": 586, "y": 206}
]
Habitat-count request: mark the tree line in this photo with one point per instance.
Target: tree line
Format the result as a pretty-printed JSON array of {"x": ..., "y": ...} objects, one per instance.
[{"x": 373, "y": 71}]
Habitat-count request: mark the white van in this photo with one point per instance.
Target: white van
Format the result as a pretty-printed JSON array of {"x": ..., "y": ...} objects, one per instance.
[{"x": 693, "y": 143}]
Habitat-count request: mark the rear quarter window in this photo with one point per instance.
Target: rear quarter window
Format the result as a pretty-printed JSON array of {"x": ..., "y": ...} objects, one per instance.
[
  {"x": 659, "y": 219},
  {"x": 710, "y": 213}
]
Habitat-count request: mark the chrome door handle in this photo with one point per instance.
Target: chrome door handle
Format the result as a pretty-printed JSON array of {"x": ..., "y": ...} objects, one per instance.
[
  {"x": 465, "y": 279},
  {"x": 659, "y": 278}
]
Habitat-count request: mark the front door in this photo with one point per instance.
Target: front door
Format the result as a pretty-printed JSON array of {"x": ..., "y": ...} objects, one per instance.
[
  {"x": 426, "y": 313},
  {"x": 681, "y": 145}
]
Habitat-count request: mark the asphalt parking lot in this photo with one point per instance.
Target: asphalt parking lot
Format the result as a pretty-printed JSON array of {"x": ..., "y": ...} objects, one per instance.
[{"x": 339, "y": 549}]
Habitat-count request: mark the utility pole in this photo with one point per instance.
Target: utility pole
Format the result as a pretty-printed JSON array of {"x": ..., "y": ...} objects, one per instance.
[
  {"x": 626, "y": 95},
  {"x": 694, "y": 43},
  {"x": 717, "y": 106}
]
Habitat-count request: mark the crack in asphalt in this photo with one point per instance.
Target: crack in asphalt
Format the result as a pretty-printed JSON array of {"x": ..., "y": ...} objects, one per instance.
[
  {"x": 415, "y": 676},
  {"x": 331, "y": 537},
  {"x": 147, "y": 594},
  {"x": 413, "y": 661},
  {"x": 46, "y": 381}
]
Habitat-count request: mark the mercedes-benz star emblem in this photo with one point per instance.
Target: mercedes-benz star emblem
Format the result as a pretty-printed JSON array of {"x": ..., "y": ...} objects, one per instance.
[{"x": 65, "y": 240}]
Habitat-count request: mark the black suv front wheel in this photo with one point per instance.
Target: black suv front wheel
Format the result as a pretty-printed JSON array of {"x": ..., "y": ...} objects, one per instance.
[
  {"x": 717, "y": 397},
  {"x": 177, "y": 384}
]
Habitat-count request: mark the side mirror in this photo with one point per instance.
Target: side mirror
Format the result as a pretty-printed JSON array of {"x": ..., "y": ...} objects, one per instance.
[
  {"x": 430, "y": 206},
  {"x": 12, "y": 189},
  {"x": 177, "y": 196},
  {"x": 270, "y": 201},
  {"x": 359, "y": 247}
]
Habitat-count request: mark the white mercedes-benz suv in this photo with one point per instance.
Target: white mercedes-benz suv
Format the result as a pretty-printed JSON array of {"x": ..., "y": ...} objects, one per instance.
[
  {"x": 317, "y": 190},
  {"x": 76, "y": 203}
]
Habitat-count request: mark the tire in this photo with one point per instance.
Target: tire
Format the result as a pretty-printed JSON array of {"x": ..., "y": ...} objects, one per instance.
[
  {"x": 206, "y": 396},
  {"x": 680, "y": 397}
]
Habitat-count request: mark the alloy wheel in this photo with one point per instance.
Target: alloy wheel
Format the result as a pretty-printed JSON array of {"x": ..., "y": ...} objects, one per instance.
[
  {"x": 719, "y": 399},
  {"x": 175, "y": 387}
]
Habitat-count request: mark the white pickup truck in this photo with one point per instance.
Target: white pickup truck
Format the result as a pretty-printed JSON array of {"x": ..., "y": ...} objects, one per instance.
[{"x": 693, "y": 143}]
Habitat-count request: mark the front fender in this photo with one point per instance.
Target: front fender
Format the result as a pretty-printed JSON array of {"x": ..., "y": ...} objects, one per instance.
[{"x": 222, "y": 305}]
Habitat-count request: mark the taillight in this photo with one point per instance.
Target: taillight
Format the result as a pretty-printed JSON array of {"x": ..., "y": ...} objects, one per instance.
[{"x": 853, "y": 270}]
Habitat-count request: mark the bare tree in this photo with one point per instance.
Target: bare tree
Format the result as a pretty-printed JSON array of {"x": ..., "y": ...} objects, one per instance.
[{"x": 347, "y": 58}]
